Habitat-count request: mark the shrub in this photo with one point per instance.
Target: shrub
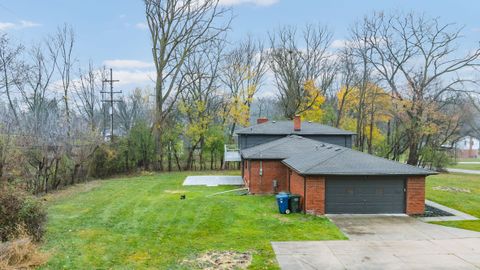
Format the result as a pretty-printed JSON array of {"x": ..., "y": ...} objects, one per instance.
[
  {"x": 21, "y": 253},
  {"x": 20, "y": 210}
]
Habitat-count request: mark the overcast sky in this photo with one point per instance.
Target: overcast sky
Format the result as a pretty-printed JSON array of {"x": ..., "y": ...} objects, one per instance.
[{"x": 113, "y": 32}]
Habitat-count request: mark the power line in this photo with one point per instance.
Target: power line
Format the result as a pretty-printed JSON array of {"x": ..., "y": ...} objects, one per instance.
[{"x": 109, "y": 100}]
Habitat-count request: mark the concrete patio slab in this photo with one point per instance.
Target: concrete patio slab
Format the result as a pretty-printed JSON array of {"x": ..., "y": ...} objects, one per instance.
[
  {"x": 213, "y": 180},
  {"x": 384, "y": 242},
  {"x": 371, "y": 227}
]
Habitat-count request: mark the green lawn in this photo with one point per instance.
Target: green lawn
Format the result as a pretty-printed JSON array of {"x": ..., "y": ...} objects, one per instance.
[
  {"x": 468, "y": 202},
  {"x": 466, "y": 166},
  {"x": 469, "y": 159},
  {"x": 140, "y": 223}
]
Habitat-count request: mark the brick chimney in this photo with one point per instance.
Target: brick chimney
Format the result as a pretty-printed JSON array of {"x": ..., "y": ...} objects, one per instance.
[
  {"x": 297, "y": 123},
  {"x": 262, "y": 120}
]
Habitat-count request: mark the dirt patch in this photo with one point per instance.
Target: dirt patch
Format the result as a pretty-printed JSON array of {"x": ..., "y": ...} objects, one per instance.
[
  {"x": 175, "y": 191},
  {"x": 226, "y": 260},
  {"x": 452, "y": 189},
  {"x": 283, "y": 218},
  {"x": 21, "y": 254},
  {"x": 71, "y": 190}
]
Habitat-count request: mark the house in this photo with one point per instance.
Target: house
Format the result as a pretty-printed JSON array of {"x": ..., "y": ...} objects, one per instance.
[
  {"x": 267, "y": 131},
  {"x": 467, "y": 147},
  {"x": 331, "y": 178}
]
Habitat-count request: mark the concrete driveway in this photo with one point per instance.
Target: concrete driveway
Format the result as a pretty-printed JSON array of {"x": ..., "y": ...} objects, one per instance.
[{"x": 384, "y": 242}]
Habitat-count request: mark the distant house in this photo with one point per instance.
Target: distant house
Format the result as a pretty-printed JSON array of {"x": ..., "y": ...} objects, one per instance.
[
  {"x": 330, "y": 177},
  {"x": 467, "y": 147}
]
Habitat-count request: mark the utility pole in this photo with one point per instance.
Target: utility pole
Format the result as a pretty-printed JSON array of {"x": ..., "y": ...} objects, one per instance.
[{"x": 110, "y": 100}]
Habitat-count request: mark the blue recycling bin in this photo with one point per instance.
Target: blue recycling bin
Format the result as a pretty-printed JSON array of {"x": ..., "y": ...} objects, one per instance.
[{"x": 282, "y": 201}]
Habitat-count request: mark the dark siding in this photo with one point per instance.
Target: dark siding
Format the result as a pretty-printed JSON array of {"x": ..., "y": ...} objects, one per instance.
[{"x": 246, "y": 141}]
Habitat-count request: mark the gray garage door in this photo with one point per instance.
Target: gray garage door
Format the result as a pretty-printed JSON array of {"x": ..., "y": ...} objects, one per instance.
[{"x": 365, "y": 195}]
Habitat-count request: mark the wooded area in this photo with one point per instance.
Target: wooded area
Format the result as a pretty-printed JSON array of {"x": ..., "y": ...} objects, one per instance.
[{"x": 400, "y": 81}]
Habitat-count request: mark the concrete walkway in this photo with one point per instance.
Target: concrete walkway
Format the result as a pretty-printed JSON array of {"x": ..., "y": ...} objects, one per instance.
[
  {"x": 213, "y": 180},
  {"x": 384, "y": 242},
  {"x": 457, "y": 215},
  {"x": 462, "y": 171}
]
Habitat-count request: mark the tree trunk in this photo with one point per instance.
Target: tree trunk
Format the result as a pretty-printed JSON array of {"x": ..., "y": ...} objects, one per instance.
[
  {"x": 177, "y": 160},
  {"x": 170, "y": 156},
  {"x": 211, "y": 160}
]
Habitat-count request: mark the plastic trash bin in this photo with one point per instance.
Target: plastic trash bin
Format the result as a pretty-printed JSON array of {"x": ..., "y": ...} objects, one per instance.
[
  {"x": 282, "y": 201},
  {"x": 294, "y": 203}
]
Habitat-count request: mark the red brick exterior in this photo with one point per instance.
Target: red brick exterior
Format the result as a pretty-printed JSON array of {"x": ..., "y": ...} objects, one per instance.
[
  {"x": 246, "y": 172},
  {"x": 314, "y": 201},
  {"x": 271, "y": 170},
  {"x": 297, "y": 185},
  {"x": 262, "y": 120},
  {"x": 415, "y": 195},
  {"x": 312, "y": 188},
  {"x": 315, "y": 197},
  {"x": 297, "y": 123}
]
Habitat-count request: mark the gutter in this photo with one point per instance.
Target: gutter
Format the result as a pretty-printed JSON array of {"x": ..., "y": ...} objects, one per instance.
[{"x": 304, "y": 195}]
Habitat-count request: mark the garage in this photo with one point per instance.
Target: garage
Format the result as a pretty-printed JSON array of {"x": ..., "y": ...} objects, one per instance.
[{"x": 364, "y": 194}]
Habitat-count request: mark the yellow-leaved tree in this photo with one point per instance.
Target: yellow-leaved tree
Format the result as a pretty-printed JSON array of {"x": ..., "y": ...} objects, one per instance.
[
  {"x": 363, "y": 111},
  {"x": 311, "y": 109}
]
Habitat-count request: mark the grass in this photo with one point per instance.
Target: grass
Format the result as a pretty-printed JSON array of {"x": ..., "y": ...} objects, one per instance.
[
  {"x": 140, "y": 223},
  {"x": 466, "y": 166},
  {"x": 468, "y": 159},
  {"x": 468, "y": 202}
]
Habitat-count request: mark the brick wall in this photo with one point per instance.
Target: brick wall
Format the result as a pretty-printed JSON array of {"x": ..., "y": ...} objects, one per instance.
[
  {"x": 271, "y": 170},
  {"x": 315, "y": 197},
  {"x": 246, "y": 173},
  {"x": 314, "y": 201},
  {"x": 415, "y": 195},
  {"x": 297, "y": 185}
]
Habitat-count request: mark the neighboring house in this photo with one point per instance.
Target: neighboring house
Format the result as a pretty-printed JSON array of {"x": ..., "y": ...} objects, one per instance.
[
  {"x": 267, "y": 131},
  {"x": 332, "y": 178},
  {"x": 467, "y": 147}
]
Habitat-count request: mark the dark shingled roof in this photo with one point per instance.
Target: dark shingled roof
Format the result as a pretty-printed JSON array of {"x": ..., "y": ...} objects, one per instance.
[
  {"x": 328, "y": 159},
  {"x": 280, "y": 149},
  {"x": 286, "y": 127}
]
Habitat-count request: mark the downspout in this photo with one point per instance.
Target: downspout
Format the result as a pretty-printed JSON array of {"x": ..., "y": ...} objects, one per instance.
[{"x": 304, "y": 195}]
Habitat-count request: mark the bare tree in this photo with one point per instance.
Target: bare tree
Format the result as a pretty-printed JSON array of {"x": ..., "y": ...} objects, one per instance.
[
  {"x": 243, "y": 73},
  {"x": 177, "y": 29},
  {"x": 348, "y": 78},
  {"x": 87, "y": 90},
  {"x": 200, "y": 100},
  {"x": 294, "y": 63},
  {"x": 131, "y": 109},
  {"x": 62, "y": 44},
  {"x": 11, "y": 70},
  {"x": 418, "y": 59}
]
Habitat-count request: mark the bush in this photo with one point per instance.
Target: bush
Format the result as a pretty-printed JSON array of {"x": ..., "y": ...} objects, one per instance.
[
  {"x": 21, "y": 253},
  {"x": 21, "y": 214}
]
